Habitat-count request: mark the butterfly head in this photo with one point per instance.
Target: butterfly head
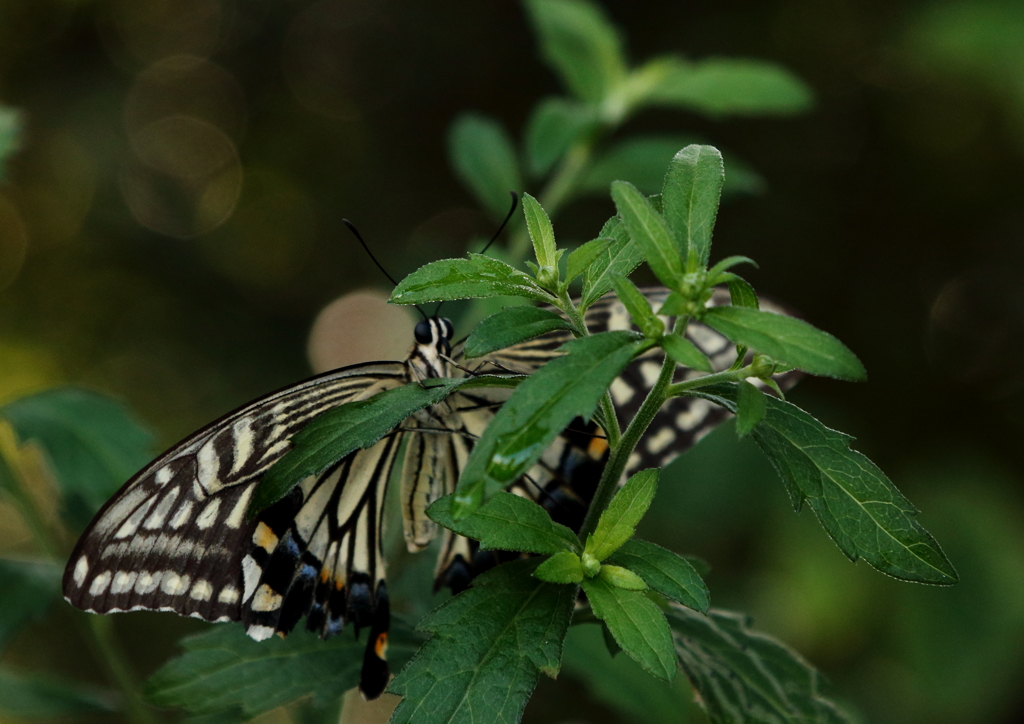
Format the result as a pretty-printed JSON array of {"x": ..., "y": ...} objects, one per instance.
[{"x": 433, "y": 343}]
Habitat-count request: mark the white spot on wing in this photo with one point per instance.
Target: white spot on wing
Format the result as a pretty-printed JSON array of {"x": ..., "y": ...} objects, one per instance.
[
  {"x": 99, "y": 584},
  {"x": 650, "y": 371},
  {"x": 622, "y": 391},
  {"x": 266, "y": 599},
  {"x": 147, "y": 582},
  {"x": 156, "y": 518},
  {"x": 209, "y": 515},
  {"x": 123, "y": 581},
  {"x": 693, "y": 416},
  {"x": 182, "y": 515},
  {"x": 260, "y": 633},
  {"x": 163, "y": 476},
  {"x": 658, "y": 442},
  {"x": 201, "y": 590},
  {"x": 228, "y": 594},
  {"x": 81, "y": 570},
  {"x": 237, "y": 514},
  {"x": 173, "y": 584},
  {"x": 132, "y": 524},
  {"x": 244, "y": 437},
  {"x": 251, "y": 573}
]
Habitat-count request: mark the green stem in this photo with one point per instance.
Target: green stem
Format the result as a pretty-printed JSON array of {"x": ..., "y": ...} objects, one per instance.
[
  {"x": 620, "y": 453},
  {"x": 681, "y": 388}
]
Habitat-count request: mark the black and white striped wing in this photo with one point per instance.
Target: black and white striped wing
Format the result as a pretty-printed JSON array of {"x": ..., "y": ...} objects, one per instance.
[{"x": 175, "y": 536}]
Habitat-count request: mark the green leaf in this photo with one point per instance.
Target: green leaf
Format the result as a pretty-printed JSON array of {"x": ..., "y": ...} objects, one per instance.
[
  {"x": 650, "y": 233},
  {"x": 638, "y": 307},
  {"x": 642, "y": 161},
  {"x": 585, "y": 255},
  {"x": 750, "y": 408},
  {"x": 637, "y": 624},
  {"x": 10, "y": 135},
  {"x": 790, "y": 341},
  {"x": 93, "y": 442},
  {"x": 37, "y": 697},
  {"x": 562, "y": 567},
  {"x": 484, "y": 159},
  {"x": 566, "y": 387},
  {"x": 223, "y": 669},
  {"x": 669, "y": 574},
  {"x": 620, "y": 577},
  {"x": 541, "y": 233},
  {"x": 619, "y": 520},
  {"x": 28, "y": 590},
  {"x": 731, "y": 86},
  {"x": 684, "y": 352},
  {"x": 859, "y": 507},
  {"x": 556, "y": 123},
  {"x": 476, "y": 277},
  {"x": 334, "y": 434},
  {"x": 741, "y": 294},
  {"x": 490, "y": 645},
  {"x": 510, "y": 326},
  {"x": 728, "y": 263},
  {"x": 745, "y": 675},
  {"x": 620, "y": 258},
  {"x": 580, "y": 45},
  {"x": 507, "y": 522},
  {"x": 621, "y": 684},
  {"x": 693, "y": 188}
]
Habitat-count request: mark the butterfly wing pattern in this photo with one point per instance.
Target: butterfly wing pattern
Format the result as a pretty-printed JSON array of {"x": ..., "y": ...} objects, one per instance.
[{"x": 176, "y": 537}]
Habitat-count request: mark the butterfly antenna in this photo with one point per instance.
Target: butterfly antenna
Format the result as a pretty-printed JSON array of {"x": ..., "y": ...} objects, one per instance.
[
  {"x": 515, "y": 203},
  {"x": 355, "y": 231}
]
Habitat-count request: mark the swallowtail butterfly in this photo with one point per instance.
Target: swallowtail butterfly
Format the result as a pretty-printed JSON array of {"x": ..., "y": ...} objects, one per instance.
[{"x": 176, "y": 536}]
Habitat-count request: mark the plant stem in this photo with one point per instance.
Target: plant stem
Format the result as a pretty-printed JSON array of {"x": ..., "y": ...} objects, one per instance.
[
  {"x": 685, "y": 386},
  {"x": 620, "y": 453}
]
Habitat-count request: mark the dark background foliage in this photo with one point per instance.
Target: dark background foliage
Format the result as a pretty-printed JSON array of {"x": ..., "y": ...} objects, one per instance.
[{"x": 172, "y": 226}]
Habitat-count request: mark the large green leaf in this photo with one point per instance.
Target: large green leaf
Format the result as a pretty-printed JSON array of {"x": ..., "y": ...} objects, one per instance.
[
  {"x": 489, "y": 647},
  {"x": 566, "y": 387},
  {"x": 648, "y": 230},
  {"x": 224, "y": 670},
  {"x": 693, "y": 187},
  {"x": 580, "y": 44},
  {"x": 619, "y": 520},
  {"x": 27, "y": 591},
  {"x": 742, "y": 675},
  {"x": 553, "y": 127},
  {"x": 511, "y": 326},
  {"x": 669, "y": 574},
  {"x": 93, "y": 442},
  {"x": 730, "y": 86},
  {"x": 484, "y": 158},
  {"x": 620, "y": 258},
  {"x": 791, "y": 341},
  {"x": 859, "y": 507},
  {"x": 507, "y": 522},
  {"x": 637, "y": 623},
  {"x": 37, "y": 697},
  {"x": 476, "y": 277}
]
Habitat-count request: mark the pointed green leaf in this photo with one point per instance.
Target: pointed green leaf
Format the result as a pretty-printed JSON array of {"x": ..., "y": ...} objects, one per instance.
[
  {"x": 638, "y": 307},
  {"x": 566, "y": 387},
  {"x": 562, "y": 567},
  {"x": 484, "y": 158},
  {"x": 745, "y": 675},
  {"x": 93, "y": 442},
  {"x": 728, "y": 263},
  {"x": 582, "y": 257},
  {"x": 669, "y": 574},
  {"x": 541, "y": 232},
  {"x": 223, "y": 669},
  {"x": 510, "y": 326},
  {"x": 507, "y": 522},
  {"x": 750, "y": 408},
  {"x": 516, "y": 625},
  {"x": 476, "y": 277},
  {"x": 741, "y": 294},
  {"x": 637, "y": 624},
  {"x": 621, "y": 578},
  {"x": 621, "y": 257},
  {"x": 619, "y": 520},
  {"x": 554, "y": 126},
  {"x": 685, "y": 352},
  {"x": 580, "y": 44},
  {"x": 859, "y": 507},
  {"x": 693, "y": 187},
  {"x": 731, "y": 86},
  {"x": 650, "y": 233},
  {"x": 790, "y": 341}
]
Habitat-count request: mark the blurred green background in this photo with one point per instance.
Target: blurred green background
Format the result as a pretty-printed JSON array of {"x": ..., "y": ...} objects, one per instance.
[{"x": 171, "y": 227}]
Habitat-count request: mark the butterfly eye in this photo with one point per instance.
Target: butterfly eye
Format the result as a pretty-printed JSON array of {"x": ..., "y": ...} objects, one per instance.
[{"x": 423, "y": 332}]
